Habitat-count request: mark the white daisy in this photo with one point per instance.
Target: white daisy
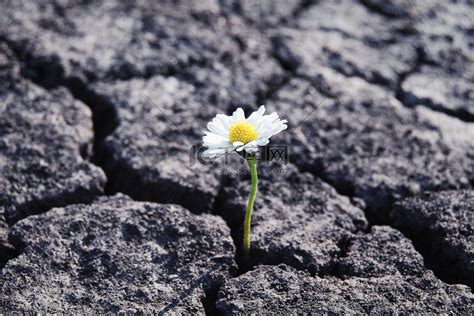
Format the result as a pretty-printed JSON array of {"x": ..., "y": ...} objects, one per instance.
[{"x": 235, "y": 132}]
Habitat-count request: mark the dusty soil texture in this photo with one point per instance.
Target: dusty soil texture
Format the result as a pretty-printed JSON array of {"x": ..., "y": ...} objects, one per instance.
[
  {"x": 117, "y": 255},
  {"x": 442, "y": 224},
  {"x": 381, "y": 273},
  {"x": 106, "y": 205}
]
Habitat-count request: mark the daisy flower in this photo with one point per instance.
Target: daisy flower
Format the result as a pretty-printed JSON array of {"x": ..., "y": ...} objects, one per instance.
[
  {"x": 228, "y": 133},
  {"x": 235, "y": 132}
]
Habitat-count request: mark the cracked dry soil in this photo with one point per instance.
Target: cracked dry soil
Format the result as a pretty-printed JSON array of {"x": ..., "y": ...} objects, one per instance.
[{"x": 101, "y": 211}]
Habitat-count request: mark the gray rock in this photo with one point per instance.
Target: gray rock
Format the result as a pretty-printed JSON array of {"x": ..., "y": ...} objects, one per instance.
[
  {"x": 362, "y": 140},
  {"x": 298, "y": 219},
  {"x": 46, "y": 139},
  {"x": 150, "y": 154},
  {"x": 266, "y": 13},
  {"x": 76, "y": 43},
  {"x": 444, "y": 79},
  {"x": 362, "y": 25},
  {"x": 437, "y": 89},
  {"x": 116, "y": 255},
  {"x": 218, "y": 61},
  {"x": 8, "y": 70},
  {"x": 283, "y": 290},
  {"x": 7, "y": 251},
  {"x": 348, "y": 56},
  {"x": 394, "y": 8},
  {"x": 445, "y": 31},
  {"x": 366, "y": 45},
  {"x": 441, "y": 223},
  {"x": 241, "y": 79},
  {"x": 91, "y": 40},
  {"x": 381, "y": 252},
  {"x": 442, "y": 28},
  {"x": 384, "y": 274},
  {"x": 155, "y": 74}
]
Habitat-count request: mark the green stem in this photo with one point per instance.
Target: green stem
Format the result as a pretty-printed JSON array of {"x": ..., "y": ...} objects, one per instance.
[{"x": 248, "y": 214}]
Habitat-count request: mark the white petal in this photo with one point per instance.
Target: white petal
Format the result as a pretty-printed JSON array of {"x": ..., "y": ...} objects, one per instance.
[
  {"x": 262, "y": 141},
  {"x": 265, "y": 121},
  {"x": 251, "y": 150},
  {"x": 238, "y": 146},
  {"x": 216, "y": 127},
  {"x": 211, "y": 153},
  {"x": 253, "y": 143},
  {"x": 250, "y": 147},
  {"x": 225, "y": 120},
  {"x": 215, "y": 140},
  {"x": 273, "y": 128},
  {"x": 209, "y": 133},
  {"x": 238, "y": 115},
  {"x": 220, "y": 124},
  {"x": 253, "y": 118}
]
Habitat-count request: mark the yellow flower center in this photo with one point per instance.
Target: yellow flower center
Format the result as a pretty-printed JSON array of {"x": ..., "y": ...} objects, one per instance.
[{"x": 242, "y": 131}]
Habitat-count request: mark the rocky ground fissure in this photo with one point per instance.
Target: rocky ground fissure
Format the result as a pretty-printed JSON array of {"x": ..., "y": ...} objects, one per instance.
[
  {"x": 211, "y": 295},
  {"x": 105, "y": 122},
  {"x": 371, "y": 138},
  {"x": 83, "y": 96},
  {"x": 427, "y": 241},
  {"x": 407, "y": 99},
  {"x": 424, "y": 241},
  {"x": 285, "y": 289}
]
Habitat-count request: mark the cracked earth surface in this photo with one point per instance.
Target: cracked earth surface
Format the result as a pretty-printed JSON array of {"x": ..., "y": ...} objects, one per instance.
[{"x": 101, "y": 210}]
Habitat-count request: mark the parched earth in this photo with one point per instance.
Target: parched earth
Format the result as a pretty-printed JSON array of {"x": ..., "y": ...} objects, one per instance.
[{"x": 105, "y": 206}]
